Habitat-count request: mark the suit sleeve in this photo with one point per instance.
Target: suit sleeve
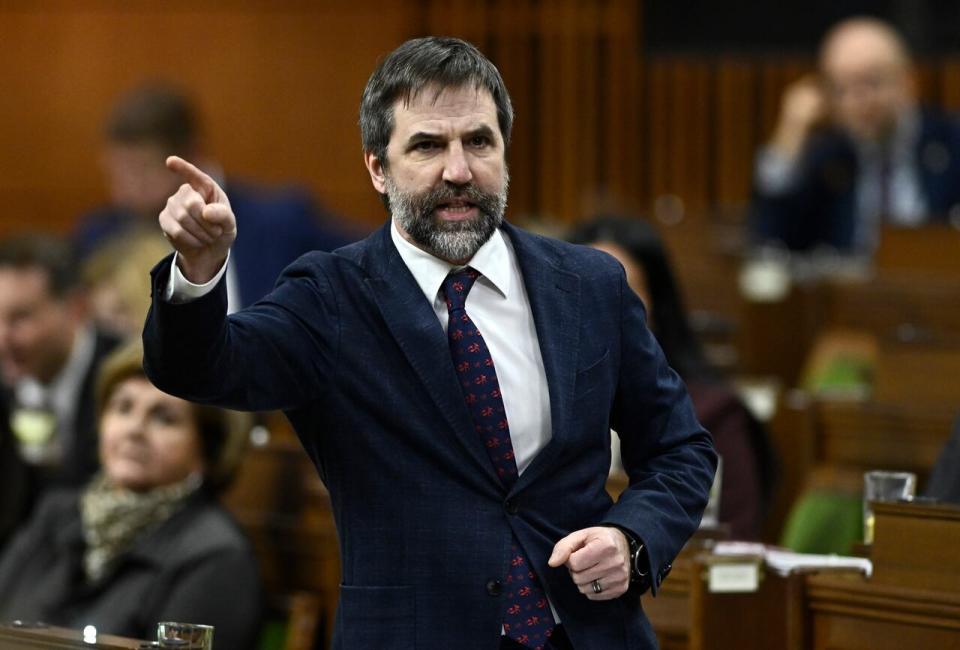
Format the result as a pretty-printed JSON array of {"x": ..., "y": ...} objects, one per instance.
[
  {"x": 778, "y": 215},
  {"x": 817, "y": 206},
  {"x": 276, "y": 354},
  {"x": 668, "y": 457}
]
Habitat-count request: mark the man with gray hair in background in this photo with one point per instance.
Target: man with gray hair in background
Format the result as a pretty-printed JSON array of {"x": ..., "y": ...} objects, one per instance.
[
  {"x": 454, "y": 380},
  {"x": 852, "y": 150}
]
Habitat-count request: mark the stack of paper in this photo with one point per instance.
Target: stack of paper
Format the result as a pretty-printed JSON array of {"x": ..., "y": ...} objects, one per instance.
[{"x": 785, "y": 562}]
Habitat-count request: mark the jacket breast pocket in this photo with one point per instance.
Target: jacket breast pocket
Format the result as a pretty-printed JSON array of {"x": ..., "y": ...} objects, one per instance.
[
  {"x": 591, "y": 376},
  {"x": 376, "y": 617}
]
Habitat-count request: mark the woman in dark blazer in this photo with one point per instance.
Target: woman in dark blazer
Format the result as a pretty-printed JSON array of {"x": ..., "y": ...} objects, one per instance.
[{"x": 145, "y": 541}]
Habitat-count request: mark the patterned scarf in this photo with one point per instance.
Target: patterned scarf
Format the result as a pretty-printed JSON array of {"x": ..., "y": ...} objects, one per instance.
[{"x": 113, "y": 518}]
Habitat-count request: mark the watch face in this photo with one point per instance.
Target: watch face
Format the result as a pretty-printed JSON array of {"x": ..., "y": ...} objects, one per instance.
[{"x": 637, "y": 554}]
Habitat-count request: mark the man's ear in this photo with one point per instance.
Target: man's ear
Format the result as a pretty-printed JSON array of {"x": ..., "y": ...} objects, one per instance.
[{"x": 377, "y": 174}]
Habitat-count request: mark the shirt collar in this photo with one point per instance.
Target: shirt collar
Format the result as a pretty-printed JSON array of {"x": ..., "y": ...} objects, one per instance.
[
  {"x": 60, "y": 392},
  {"x": 492, "y": 260}
]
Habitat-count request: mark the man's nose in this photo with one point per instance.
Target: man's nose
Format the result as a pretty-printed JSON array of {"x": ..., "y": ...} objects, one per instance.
[{"x": 456, "y": 168}]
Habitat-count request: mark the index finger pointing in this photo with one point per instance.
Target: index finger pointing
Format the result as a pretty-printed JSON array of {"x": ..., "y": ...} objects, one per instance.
[{"x": 198, "y": 180}]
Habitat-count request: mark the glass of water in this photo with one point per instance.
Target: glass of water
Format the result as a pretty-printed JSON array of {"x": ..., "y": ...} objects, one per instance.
[
  {"x": 884, "y": 486},
  {"x": 185, "y": 636}
]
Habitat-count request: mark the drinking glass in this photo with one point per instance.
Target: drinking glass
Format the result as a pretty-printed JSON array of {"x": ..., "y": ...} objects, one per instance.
[
  {"x": 185, "y": 636},
  {"x": 884, "y": 486}
]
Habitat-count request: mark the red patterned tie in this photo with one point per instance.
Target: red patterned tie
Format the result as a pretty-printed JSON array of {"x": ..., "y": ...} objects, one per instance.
[{"x": 526, "y": 614}]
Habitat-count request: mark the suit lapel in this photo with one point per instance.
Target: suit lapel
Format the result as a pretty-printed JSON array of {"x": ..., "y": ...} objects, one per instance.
[
  {"x": 414, "y": 325},
  {"x": 554, "y": 295}
]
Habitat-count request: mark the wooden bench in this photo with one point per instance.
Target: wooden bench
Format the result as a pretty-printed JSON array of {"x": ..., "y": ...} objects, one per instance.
[{"x": 282, "y": 505}]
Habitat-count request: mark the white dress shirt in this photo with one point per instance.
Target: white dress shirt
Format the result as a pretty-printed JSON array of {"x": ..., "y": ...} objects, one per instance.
[
  {"x": 59, "y": 397},
  {"x": 180, "y": 289},
  {"x": 499, "y": 307}
]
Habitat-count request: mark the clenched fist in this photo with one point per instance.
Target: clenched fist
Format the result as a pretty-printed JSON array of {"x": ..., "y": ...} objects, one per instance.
[
  {"x": 198, "y": 222},
  {"x": 598, "y": 559}
]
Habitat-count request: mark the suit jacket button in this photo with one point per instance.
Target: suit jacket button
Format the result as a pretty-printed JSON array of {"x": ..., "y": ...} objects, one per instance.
[
  {"x": 494, "y": 587},
  {"x": 511, "y": 507}
]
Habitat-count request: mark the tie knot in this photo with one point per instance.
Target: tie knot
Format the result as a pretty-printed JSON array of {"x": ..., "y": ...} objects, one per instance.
[{"x": 456, "y": 287}]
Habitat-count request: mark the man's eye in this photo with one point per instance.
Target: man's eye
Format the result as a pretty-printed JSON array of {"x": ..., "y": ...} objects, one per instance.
[
  {"x": 479, "y": 141},
  {"x": 425, "y": 145}
]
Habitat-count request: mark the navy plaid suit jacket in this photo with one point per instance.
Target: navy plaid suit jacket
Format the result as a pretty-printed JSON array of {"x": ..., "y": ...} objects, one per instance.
[{"x": 348, "y": 346}]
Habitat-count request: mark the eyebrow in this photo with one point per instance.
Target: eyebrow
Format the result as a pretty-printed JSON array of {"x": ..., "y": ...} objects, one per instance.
[
  {"x": 422, "y": 136},
  {"x": 483, "y": 130},
  {"x": 425, "y": 136}
]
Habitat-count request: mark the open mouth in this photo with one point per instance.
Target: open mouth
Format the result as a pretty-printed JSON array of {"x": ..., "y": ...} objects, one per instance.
[{"x": 455, "y": 210}]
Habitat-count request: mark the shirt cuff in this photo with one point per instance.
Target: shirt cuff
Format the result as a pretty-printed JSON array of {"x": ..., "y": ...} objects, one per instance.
[
  {"x": 775, "y": 172},
  {"x": 181, "y": 290}
]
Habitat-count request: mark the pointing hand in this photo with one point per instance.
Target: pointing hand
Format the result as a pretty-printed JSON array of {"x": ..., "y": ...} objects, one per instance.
[{"x": 198, "y": 222}]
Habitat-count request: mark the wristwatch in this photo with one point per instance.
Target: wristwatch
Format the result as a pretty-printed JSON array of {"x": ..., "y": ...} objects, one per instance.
[{"x": 638, "y": 556}]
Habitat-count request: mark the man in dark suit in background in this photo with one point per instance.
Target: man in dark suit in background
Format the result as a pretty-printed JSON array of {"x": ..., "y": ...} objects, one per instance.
[
  {"x": 49, "y": 357},
  {"x": 156, "y": 120},
  {"x": 466, "y": 471},
  {"x": 944, "y": 483},
  {"x": 852, "y": 150},
  {"x": 14, "y": 480}
]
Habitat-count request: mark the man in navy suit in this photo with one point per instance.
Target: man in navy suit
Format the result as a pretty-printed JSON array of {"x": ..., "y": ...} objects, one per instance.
[
  {"x": 455, "y": 380},
  {"x": 853, "y": 151}
]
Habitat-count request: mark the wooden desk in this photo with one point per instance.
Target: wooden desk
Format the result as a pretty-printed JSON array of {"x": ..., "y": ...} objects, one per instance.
[
  {"x": 771, "y": 617},
  {"x": 54, "y": 638},
  {"x": 913, "y": 598},
  {"x": 669, "y": 612},
  {"x": 853, "y": 612},
  {"x": 934, "y": 248},
  {"x": 875, "y": 435}
]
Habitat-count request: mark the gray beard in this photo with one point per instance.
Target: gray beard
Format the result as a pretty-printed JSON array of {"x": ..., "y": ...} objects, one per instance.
[{"x": 456, "y": 241}]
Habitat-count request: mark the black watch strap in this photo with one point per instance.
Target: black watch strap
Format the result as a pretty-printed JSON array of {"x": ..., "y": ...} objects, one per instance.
[{"x": 638, "y": 556}]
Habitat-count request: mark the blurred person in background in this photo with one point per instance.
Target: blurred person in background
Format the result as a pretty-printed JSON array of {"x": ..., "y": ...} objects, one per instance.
[
  {"x": 853, "y": 150},
  {"x": 49, "y": 356},
  {"x": 749, "y": 464},
  {"x": 944, "y": 483},
  {"x": 155, "y": 120},
  {"x": 14, "y": 480},
  {"x": 145, "y": 540},
  {"x": 117, "y": 280}
]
